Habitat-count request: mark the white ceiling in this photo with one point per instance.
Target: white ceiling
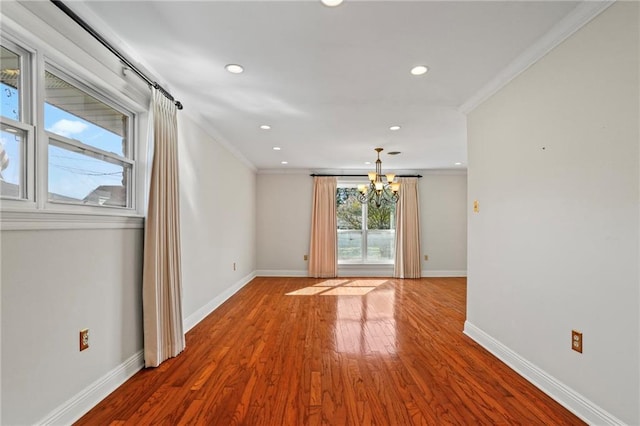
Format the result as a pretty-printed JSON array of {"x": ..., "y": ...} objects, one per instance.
[{"x": 330, "y": 81}]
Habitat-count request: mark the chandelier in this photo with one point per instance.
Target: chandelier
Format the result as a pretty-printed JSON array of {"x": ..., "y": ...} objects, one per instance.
[{"x": 377, "y": 190}]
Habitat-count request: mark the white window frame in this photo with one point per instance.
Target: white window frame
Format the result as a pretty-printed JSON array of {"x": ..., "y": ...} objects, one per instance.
[
  {"x": 28, "y": 172},
  {"x": 129, "y": 157},
  {"x": 363, "y": 231},
  {"x": 26, "y": 124},
  {"x": 35, "y": 211}
]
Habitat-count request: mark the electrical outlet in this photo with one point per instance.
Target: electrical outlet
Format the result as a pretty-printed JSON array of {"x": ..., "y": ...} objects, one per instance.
[
  {"x": 306, "y": 257},
  {"x": 234, "y": 266},
  {"x": 426, "y": 257},
  {"x": 576, "y": 341},
  {"x": 476, "y": 206},
  {"x": 84, "y": 339}
]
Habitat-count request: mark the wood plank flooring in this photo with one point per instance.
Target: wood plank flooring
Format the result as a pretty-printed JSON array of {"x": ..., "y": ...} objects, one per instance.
[{"x": 393, "y": 356}]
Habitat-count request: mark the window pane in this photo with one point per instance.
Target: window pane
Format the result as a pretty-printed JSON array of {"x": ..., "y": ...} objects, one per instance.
[
  {"x": 368, "y": 241},
  {"x": 382, "y": 217},
  {"x": 381, "y": 246},
  {"x": 10, "y": 84},
  {"x": 12, "y": 162},
  {"x": 71, "y": 113},
  {"x": 349, "y": 209},
  {"x": 79, "y": 176},
  {"x": 350, "y": 245}
]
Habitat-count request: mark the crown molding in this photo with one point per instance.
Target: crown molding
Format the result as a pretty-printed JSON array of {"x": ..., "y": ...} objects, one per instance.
[
  {"x": 217, "y": 137},
  {"x": 446, "y": 172},
  {"x": 576, "y": 19},
  {"x": 284, "y": 171},
  {"x": 426, "y": 172}
]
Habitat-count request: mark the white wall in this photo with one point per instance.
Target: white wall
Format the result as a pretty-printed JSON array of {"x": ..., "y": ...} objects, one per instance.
[
  {"x": 284, "y": 224},
  {"x": 553, "y": 162},
  {"x": 218, "y": 215},
  {"x": 55, "y": 283},
  {"x": 443, "y": 218}
]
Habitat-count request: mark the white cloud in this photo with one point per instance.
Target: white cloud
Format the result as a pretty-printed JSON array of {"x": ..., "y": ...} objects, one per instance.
[{"x": 67, "y": 128}]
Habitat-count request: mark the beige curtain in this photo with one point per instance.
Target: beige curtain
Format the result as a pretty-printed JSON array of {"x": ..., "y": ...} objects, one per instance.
[
  {"x": 161, "y": 281},
  {"x": 323, "y": 252},
  {"x": 407, "y": 264}
]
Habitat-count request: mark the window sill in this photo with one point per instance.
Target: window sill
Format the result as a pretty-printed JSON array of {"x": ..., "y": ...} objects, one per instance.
[
  {"x": 39, "y": 220},
  {"x": 365, "y": 269}
]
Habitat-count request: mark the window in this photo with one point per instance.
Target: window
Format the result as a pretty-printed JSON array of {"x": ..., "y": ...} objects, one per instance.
[
  {"x": 366, "y": 233},
  {"x": 16, "y": 131},
  {"x": 11, "y": 83},
  {"x": 82, "y": 157},
  {"x": 88, "y": 147}
]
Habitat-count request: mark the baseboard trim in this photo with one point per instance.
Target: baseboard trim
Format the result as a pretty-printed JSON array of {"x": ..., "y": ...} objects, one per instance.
[
  {"x": 193, "y": 319},
  {"x": 370, "y": 270},
  {"x": 85, "y": 400},
  {"x": 443, "y": 274},
  {"x": 564, "y": 395},
  {"x": 282, "y": 273},
  {"x": 358, "y": 271}
]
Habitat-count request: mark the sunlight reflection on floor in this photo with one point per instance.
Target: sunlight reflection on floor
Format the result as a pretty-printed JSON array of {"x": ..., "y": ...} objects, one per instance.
[
  {"x": 357, "y": 287},
  {"x": 308, "y": 291},
  {"x": 331, "y": 283},
  {"x": 348, "y": 291},
  {"x": 364, "y": 324}
]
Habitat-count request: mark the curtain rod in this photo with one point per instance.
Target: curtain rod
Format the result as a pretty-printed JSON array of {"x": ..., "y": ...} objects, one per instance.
[
  {"x": 78, "y": 20},
  {"x": 330, "y": 175}
]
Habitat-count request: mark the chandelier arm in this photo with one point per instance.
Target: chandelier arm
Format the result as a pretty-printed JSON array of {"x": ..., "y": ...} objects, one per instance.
[
  {"x": 388, "y": 195},
  {"x": 378, "y": 200},
  {"x": 366, "y": 197},
  {"x": 379, "y": 197},
  {"x": 393, "y": 197}
]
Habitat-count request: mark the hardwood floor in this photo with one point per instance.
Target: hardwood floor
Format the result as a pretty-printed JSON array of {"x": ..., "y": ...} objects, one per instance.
[{"x": 393, "y": 356}]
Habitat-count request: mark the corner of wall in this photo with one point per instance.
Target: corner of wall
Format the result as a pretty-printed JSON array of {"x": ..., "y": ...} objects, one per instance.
[{"x": 193, "y": 319}]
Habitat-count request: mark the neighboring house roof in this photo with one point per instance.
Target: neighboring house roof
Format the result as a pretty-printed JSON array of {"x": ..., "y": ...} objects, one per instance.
[
  {"x": 9, "y": 189},
  {"x": 108, "y": 195}
]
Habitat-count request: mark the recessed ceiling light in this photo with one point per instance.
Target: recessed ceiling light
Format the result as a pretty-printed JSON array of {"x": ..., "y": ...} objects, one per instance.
[
  {"x": 394, "y": 128},
  {"x": 234, "y": 68},
  {"x": 276, "y": 148},
  {"x": 458, "y": 163},
  {"x": 368, "y": 163},
  {"x": 284, "y": 162},
  {"x": 265, "y": 127},
  {"x": 332, "y": 3},
  {"x": 419, "y": 70}
]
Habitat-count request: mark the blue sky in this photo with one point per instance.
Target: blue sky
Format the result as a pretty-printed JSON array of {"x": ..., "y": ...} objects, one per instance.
[{"x": 70, "y": 174}]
